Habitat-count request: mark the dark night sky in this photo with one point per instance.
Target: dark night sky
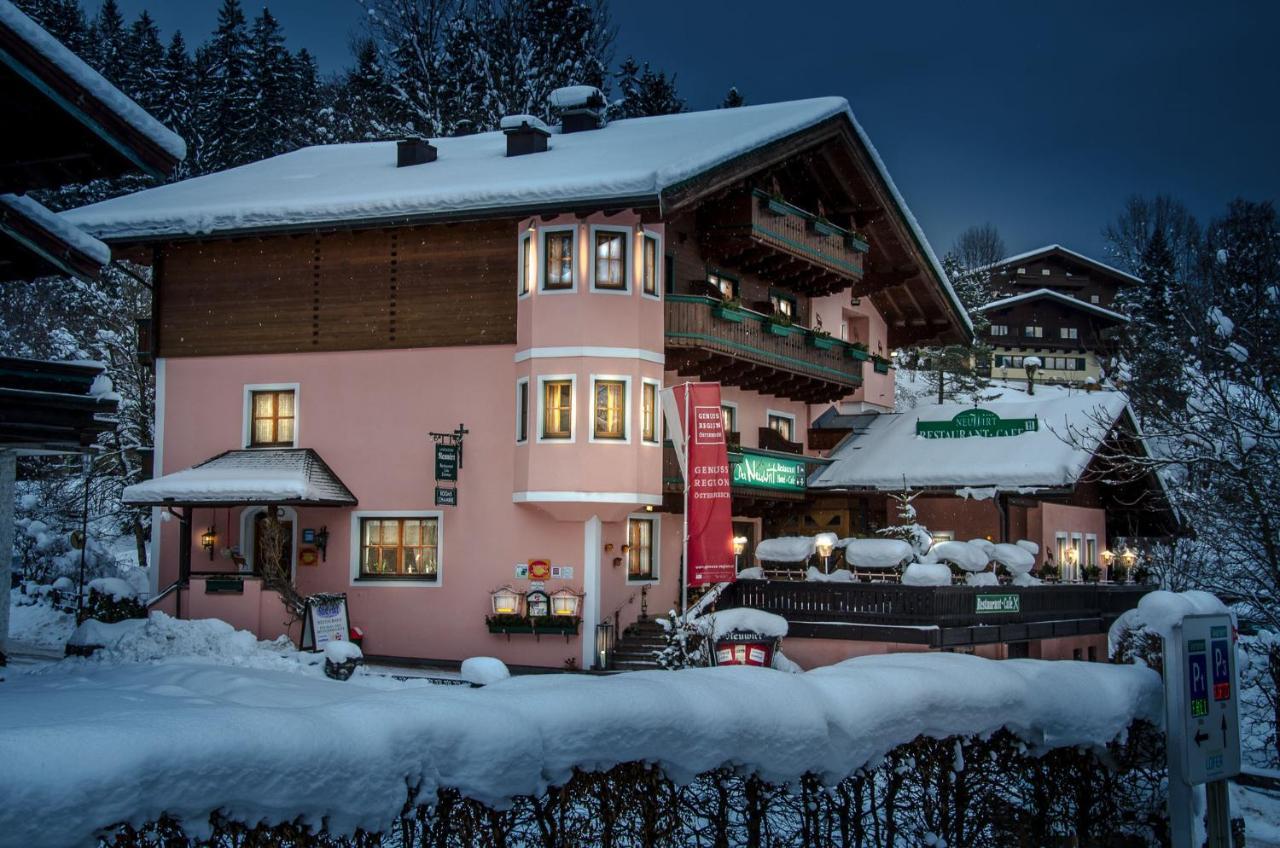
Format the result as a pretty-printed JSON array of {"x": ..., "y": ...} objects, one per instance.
[{"x": 1038, "y": 117}]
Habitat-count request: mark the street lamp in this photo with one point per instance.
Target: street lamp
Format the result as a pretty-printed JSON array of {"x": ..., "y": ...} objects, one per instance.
[
  {"x": 739, "y": 545},
  {"x": 1129, "y": 557},
  {"x": 824, "y": 544}
]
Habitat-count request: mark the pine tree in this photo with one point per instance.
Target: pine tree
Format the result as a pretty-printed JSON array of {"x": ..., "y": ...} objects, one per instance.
[
  {"x": 908, "y": 529},
  {"x": 643, "y": 92},
  {"x": 225, "y": 99},
  {"x": 175, "y": 83},
  {"x": 467, "y": 74},
  {"x": 273, "y": 82},
  {"x": 1150, "y": 346},
  {"x": 365, "y": 107},
  {"x": 108, "y": 42},
  {"x": 733, "y": 99},
  {"x": 143, "y": 60},
  {"x": 311, "y": 121}
]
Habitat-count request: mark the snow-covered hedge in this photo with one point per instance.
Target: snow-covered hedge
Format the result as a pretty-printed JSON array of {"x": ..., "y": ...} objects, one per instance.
[{"x": 198, "y": 748}]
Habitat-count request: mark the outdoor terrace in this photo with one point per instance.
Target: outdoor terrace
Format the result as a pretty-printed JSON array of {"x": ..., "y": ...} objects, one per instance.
[
  {"x": 936, "y": 616},
  {"x": 714, "y": 340}
]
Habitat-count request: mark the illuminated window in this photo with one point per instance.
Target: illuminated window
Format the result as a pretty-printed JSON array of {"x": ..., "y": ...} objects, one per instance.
[
  {"x": 649, "y": 412},
  {"x": 729, "y": 415},
  {"x": 783, "y": 425},
  {"x": 557, "y": 409},
  {"x": 611, "y": 260},
  {"x": 1069, "y": 332},
  {"x": 557, "y": 248},
  {"x": 273, "y": 419},
  {"x": 610, "y": 409},
  {"x": 405, "y": 548},
  {"x": 782, "y": 304},
  {"x": 1033, "y": 332},
  {"x": 651, "y": 265},
  {"x": 527, "y": 270},
  {"x": 641, "y": 563},
  {"x": 999, "y": 329},
  {"x": 727, "y": 286}
]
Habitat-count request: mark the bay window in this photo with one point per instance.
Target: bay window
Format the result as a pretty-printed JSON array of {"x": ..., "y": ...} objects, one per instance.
[
  {"x": 650, "y": 266},
  {"x": 557, "y": 409},
  {"x": 610, "y": 419},
  {"x": 610, "y": 259},
  {"x": 557, "y": 251}
]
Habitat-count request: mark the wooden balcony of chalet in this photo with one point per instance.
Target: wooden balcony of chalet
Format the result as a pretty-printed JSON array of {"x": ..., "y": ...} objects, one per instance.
[
  {"x": 744, "y": 348},
  {"x": 759, "y": 234},
  {"x": 936, "y": 616}
]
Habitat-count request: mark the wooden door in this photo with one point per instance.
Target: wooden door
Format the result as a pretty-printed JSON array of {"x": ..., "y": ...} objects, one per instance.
[{"x": 286, "y": 558}]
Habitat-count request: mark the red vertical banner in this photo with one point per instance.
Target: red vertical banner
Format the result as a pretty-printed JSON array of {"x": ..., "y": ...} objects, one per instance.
[{"x": 709, "y": 554}]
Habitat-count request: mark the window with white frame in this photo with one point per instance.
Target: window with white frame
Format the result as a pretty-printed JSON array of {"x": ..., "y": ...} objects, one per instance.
[
  {"x": 271, "y": 415},
  {"x": 1033, "y": 331},
  {"x": 1090, "y": 549},
  {"x": 609, "y": 265},
  {"x": 1022, "y": 271},
  {"x": 999, "y": 329},
  {"x": 649, "y": 416},
  {"x": 642, "y": 548},
  {"x": 399, "y": 548},
  {"x": 557, "y": 259},
  {"x": 528, "y": 271},
  {"x": 651, "y": 266},
  {"x": 782, "y": 424},
  {"x": 609, "y": 419},
  {"x": 555, "y": 409},
  {"x": 1093, "y": 298},
  {"x": 1044, "y": 272},
  {"x": 1069, "y": 332},
  {"x": 522, "y": 409}
]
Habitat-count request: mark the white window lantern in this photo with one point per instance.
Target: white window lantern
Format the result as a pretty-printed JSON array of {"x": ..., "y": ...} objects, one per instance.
[
  {"x": 506, "y": 601},
  {"x": 565, "y": 602}
]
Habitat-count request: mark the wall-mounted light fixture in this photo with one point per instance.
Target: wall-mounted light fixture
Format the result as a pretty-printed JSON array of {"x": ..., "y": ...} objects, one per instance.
[{"x": 209, "y": 540}]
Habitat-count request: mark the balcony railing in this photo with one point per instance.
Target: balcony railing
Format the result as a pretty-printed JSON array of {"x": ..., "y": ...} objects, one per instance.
[
  {"x": 936, "y": 615},
  {"x": 756, "y": 233},
  {"x": 743, "y": 348}
]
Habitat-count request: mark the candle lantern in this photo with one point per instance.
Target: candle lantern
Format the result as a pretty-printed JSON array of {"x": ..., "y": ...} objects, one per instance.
[
  {"x": 209, "y": 539},
  {"x": 506, "y": 601},
  {"x": 565, "y": 602}
]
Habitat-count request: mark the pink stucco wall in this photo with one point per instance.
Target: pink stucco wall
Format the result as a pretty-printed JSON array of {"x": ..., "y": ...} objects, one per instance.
[
  {"x": 860, "y": 322},
  {"x": 1046, "y": 521},
  {"x": 368, "y": 414}
]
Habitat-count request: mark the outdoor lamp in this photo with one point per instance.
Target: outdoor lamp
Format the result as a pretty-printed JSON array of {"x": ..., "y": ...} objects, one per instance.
[
  {"x": 1107, "y": 558},
  {"x": 565, "y": 602},
  {"x": 1128, "y": 557},
  {"x": 506, "y": 601},
  {"x": 209, "y": 539},
  {"x": 739, "y": 545},
  {"x": 824, "y": 544},
  {"x": 1071, "y": 555}
]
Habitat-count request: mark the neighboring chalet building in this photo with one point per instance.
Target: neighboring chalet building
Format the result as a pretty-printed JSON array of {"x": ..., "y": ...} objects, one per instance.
[
  {"x": 324, "y": 318},
  {"x": 64, "y": 124},
  {"x": 1058, "y": 305}
]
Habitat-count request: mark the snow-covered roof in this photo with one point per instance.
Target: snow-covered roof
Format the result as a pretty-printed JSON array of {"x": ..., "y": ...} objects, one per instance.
[
  {"x": 91, "y": 81},
  {"x": 1055, "y": 295},
  {"x": 59, "y": 228},
  {"x": 890, "y": 455},
  {"x": 247, "y": 477},
  {"x": 1051, "y": 248}
]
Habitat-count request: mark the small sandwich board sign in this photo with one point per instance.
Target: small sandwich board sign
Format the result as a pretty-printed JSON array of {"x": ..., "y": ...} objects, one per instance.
[{"x": 325, "y": 620}]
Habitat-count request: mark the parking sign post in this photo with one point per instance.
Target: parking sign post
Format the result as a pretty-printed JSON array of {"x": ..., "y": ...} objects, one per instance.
[{"x": 1202, "y": 722}]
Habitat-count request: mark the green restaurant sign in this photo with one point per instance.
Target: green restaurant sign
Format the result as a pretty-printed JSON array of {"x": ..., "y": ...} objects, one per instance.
[
  {"x": 998, "y": 603},
  {"x": 976, "y": 422},
  {"x": 756, "y": 471}
]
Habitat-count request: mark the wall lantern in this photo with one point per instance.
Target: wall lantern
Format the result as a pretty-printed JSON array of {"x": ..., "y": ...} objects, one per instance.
[
  {"x": 209, "y": 539},
  {"x": 565, "y": 602},
  {"x": 537, "y": 604},
  {"x": 1071, "y": 555},
  {"x": 322, "y": 542},
  {"x": 1107, "y": 558},
  {"x": 739, "y": 545},
  {"x": 1128, "y": 557},
  {"x": 506, "y": 601}
]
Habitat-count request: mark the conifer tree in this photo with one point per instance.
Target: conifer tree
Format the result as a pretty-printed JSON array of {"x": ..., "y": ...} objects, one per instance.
[
  {"x": 107, "y": 43},
  {"x": 175, "y": 81},
  {"x": 365, "y": 107},
  {"x": 643, "y": 91},
  {"x": 274, "y": 86},
  {"x": 733, "y": 99},
  {"x": 144, "y": 58},
  {"x": 225, "y": 100}
]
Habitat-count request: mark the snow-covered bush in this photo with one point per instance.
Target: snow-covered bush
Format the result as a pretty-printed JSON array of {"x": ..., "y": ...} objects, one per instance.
[
  {"x": 110, "y": 606},
  {"x": 682, "y": 646}
]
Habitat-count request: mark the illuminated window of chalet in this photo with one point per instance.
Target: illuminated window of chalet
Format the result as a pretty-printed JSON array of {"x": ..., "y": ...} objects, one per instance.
[
  {"x": 729, "y": 415},
  {"x": 727, "y": 286},
  {"x": 273, "y": 417},
  {"x": 641, "y": 564},
  {"x": 783, "y": 425},
  {"x": 611, "y": 260},
  {"x": 1069, "y": 332},
  {"x": 610, "y": 409},
  {"x": 1093, "y": 298},
  {"x": 1044, "y": 272},
  {"x": 649, "y": 412},
  {"x": 1034, "y": 332},
  {"x": 782, "y": 304},
  {"x": 650, "y": 258},
  {"x": 405, "y": 548},
  {"x": 557, "y": 250},
  {"x": 557, "y": 409},
  {"x": 999, "y": 329},
  {"x": 527, "y": 269}
]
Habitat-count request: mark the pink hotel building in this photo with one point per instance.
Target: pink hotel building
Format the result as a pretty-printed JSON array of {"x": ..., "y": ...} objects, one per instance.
[{"x": 319, "y": 315}]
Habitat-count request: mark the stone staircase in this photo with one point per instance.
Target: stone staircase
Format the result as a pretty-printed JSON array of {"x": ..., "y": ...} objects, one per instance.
[{"x": 636, "y": 649}]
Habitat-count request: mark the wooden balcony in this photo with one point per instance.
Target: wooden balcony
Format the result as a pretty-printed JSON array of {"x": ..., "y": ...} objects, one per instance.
[
  {"x": 740, "y": 347},
  {"x": 937, "y": 616},
  {"x": 789, "y": 246}
]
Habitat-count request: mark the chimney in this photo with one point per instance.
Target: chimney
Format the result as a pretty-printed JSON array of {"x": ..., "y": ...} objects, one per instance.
[
  {"x": 525, "y": 134},
  {"x": 414, "y": 151},
  {"x": 580, "y": 107}
]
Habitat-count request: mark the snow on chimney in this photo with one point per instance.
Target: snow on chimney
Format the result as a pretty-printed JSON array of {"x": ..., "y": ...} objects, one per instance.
[
  {"x": 525, "y": 134},
  {"x": 414, "y": 151},
  {"x": 580, "y": 107}
]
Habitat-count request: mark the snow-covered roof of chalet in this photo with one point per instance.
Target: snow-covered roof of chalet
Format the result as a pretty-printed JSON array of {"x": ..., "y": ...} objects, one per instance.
[
  {"x": 889, "y": 455},
  {"x": 246, "y": 478},
  {"x": 1055, "y": 295},
  {"x": 1052, "y": 248},
  {"x": 91, "y": 81},
  {"x": 55, "y": 244}
]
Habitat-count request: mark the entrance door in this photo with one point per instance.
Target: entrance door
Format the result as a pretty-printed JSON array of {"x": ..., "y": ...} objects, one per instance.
[{"x": 286, "y": 557}]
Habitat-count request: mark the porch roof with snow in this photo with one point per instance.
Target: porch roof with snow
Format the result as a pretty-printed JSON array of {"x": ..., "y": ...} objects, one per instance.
[
  {"x": 888, "y": 455},
  {"x": 279, "y": 476}
]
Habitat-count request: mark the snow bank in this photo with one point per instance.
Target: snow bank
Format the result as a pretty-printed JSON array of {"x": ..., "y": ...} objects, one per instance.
[
  {"x": 717, "y": 624},
  {"x": 926, "y": 574},
  {"x": 1014, "y": 557},
  {"x": 981, "y": 578},
  {"x": 481, "y": 671},
  {"x": 1160, "y": 611},
  {"x": 785, "y": 549},
  {"x": 878, "y": 553},
  {"x": 130, "y": 743},
  {"x": 114, "y": 587},
  {"x": 755, "y": 572},
  {"x": 1028, "y": 546},
  {"x": 840, "y": 575},
  {"x": 966, "y": 556},
  {"x": 985, "y": 544}
]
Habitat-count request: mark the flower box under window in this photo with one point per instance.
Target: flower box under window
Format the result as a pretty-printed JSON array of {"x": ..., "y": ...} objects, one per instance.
[
  {"x": 825, "y": 228},
  {"x": 821, "y": 341},
  {"x": 859, "y": 244},
  {"x": 882, "y": 366},
  {"x": 775, "y": 206},
  {"x": 725, "y": 312},
  {"x": 551, "y": 625},
  {"x": 858, "y": 352}
]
